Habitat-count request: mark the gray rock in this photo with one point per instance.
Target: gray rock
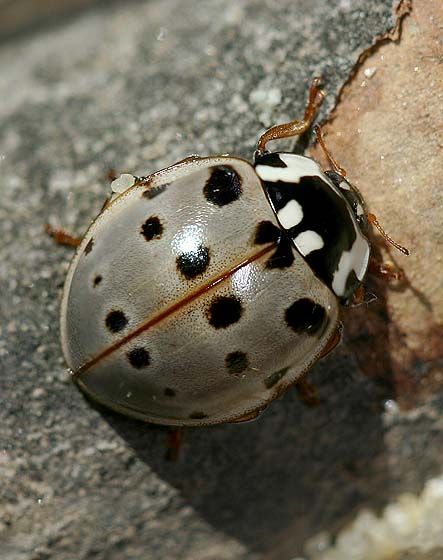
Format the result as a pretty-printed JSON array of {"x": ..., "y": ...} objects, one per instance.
[{"x": 136, "y": 87}]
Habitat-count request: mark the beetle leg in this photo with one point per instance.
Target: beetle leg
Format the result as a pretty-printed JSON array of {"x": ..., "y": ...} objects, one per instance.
[
  {"x": 361, "y": 297},
  {"x": 307, "y": 392},
  {"x": 295, "y": 127},
  {"x": 174, "y": 444},
  {"x": 62, "y": 237},
  {"x": 358, "y": 297}
]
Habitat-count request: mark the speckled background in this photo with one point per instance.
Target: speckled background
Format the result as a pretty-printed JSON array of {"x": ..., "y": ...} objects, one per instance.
[{"x": 134, "y": 87}]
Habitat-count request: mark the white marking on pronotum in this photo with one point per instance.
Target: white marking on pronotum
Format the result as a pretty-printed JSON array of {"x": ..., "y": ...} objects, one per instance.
[
  {"x": 308, "y": 241},
  {"x": 345, "y": 185},
  {"x": 355, "y": 259},
  {"x": 290, "y": 215},
  {"x": 296, "y": 168}
]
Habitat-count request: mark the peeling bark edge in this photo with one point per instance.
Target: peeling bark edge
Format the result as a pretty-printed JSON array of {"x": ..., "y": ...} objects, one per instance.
[{"x": 401, "y": 10}]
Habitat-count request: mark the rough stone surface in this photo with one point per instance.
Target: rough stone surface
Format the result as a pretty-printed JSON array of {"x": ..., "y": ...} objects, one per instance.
[{"x": 136, "y": 87}]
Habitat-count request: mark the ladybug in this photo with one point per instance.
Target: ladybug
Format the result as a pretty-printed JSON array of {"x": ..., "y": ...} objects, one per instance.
[{"x": 203, "y": 291}]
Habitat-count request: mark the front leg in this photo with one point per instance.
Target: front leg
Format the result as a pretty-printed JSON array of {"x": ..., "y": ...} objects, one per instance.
[
  {"x": 63, "y": 237},
  {"x": 296, "y": 127}
]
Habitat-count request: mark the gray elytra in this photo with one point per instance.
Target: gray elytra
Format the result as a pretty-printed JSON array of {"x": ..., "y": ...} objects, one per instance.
[{"x": 203, "y": 291}]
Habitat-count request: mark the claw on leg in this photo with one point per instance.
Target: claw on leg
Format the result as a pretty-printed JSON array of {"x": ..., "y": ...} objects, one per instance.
[
  {"x": 62, "y": 237},
  {"x": 296, "y": 127}
]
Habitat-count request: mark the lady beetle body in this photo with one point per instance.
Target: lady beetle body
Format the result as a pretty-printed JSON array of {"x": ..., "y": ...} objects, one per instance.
[{"x": 203, "y": 291}]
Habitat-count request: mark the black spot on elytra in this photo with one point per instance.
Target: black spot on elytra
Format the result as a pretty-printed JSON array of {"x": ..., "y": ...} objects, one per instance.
[
  {"x": 223, "y": 186},
  {"x": 152, "y": 228},
  {"x": 267, "y": 232},
  {"x": 97, "y": 279},
  {"x": 198, "y": 415},
  {"x": 283, "y": 256},
  {"x": 193, "y": 263},
  {"x": 152, "y": 192},
  {"x": 116, "y": 321},
  {"x": 168, "y": 392},
  {"x": 236, "y": 362},
  {"x": 306, "y": 316},
  {"x": 275, "y": 377},
  {"x": 139, "y": 357},
  {"x": 89, "y": 246},
  {"x": 224, "y": 311}
]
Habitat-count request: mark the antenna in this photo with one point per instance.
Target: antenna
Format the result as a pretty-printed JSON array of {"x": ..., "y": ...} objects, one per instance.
[{"x": 373, "y": 220}]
